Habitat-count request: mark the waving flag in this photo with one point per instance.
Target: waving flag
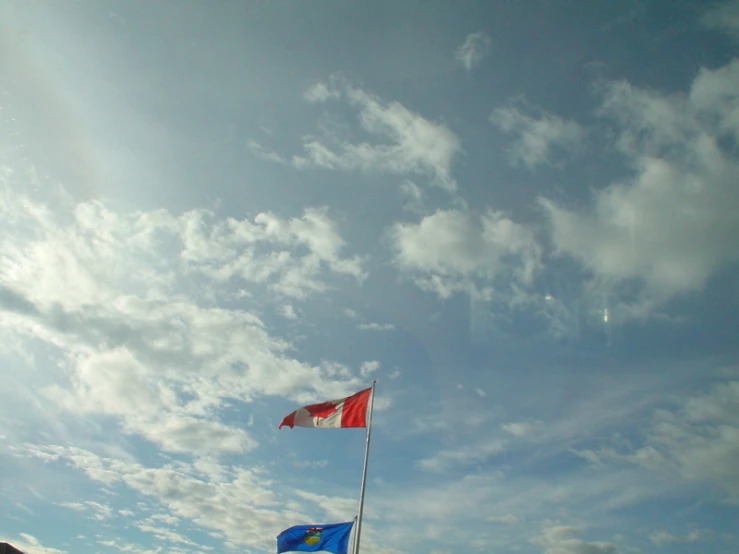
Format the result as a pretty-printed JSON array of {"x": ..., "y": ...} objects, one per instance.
[
  {"x": 333, "y": 537},
  {"x": 334, "y": 414}
]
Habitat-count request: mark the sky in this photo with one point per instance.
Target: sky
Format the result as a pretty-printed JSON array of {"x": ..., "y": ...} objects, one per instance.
[{"x": 518, "y": 217}]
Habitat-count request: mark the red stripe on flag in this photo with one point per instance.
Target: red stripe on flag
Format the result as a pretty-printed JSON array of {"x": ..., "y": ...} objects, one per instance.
[
  {"x": 289, "y": 421},
  {"x": 355, "y": 409}
]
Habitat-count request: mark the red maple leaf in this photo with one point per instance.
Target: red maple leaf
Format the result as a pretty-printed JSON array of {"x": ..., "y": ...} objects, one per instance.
[
  {"x": 322, "y": 410},
  {"x": 319, "y": 411}
]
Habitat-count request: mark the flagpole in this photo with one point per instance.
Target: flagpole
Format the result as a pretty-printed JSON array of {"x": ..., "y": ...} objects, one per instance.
[
  {"x": 354, "y": 535},
  {"x": 364, "y": 471}
]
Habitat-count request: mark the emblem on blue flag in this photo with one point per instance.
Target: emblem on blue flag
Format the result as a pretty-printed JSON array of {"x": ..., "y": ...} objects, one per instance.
[{"x": 333, "y": 537}]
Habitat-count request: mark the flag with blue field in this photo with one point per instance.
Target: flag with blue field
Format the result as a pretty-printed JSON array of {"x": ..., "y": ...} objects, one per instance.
[{"x": 333, "y": 537}]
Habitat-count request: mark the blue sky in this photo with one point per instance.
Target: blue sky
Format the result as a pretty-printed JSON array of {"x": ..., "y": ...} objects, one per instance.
[{"x": 519, "y": 217}]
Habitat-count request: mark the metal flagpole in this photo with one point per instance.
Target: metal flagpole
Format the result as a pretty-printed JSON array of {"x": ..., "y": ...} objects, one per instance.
[
  {"x": 364, "y": 471},
  {"x": 353, "y": 535}
]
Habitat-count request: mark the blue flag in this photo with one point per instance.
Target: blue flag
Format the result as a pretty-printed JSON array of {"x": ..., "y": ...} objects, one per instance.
[{"x": 333, "y": 537}]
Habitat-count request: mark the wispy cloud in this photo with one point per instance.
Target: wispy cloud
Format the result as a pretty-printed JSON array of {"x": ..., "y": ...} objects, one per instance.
[
  {"x": 558, "y": 539},
  {"x": 165, "y": 518},
  {"x": 517, "y": 429},
  {"x": 310, "y": 464},
  {"x": 661, "y": 538},
  {"x": 240, "y": 504},
  {"x": 99, "y": 512},
  {"x": 321, "y": 92},
  {"x": 698, "y": 441},
  {"x": 260, "y": 152},
  {"x": 462, "y": 456},
  {"x": 672, "y": 225},
  {"x": 167, "y": 535},
  {"x": 413, "y": 196},
  {"x": 476, "y": 47},
  {"x": 413, "y": 144},
  {"x": 232, "y": 251},
  {"x": 376, "y": 326},
  {"x": 724, "y": 16},
  {"x": 30, "y": 545},
  {"x": 455, "y": 251},
  {"x": 369, "y": 368},
  {"x": 543, "y": 138},
  {"x": 288, "y": 312},
  {"x": 508, "y": 519},
  {"x": 107, "y": 291},
  {"x": 335, "y": 507},
  {"x": 604, "y": 407},
  {"x": 133, "y": 547},
  {"x": 445, "y": 510}
]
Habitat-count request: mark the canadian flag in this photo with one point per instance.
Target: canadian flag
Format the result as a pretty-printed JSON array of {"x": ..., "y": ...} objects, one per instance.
[{"x": 334, "y": 414}]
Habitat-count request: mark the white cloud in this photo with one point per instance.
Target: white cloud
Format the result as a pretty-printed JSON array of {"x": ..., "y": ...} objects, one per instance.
[
  {"x": 179, "y": 433},
  {"x": 413, "y": 196},
  {"x": 132, "y": 547},
  {"x": 724, "y": 16},
  {"x": 454, "y": 251},
  {"x": 369, "y": 367},
  {"x": 673, "y": 224},
  {"x": 376, "y": 326},
  {"x": 481, "y": 393},
  {"x": 241, "y": 504},
  {"x": 667, "y": 228},
  {"x": 454, "y": 509},
  {"x": 702, "y": 439},
  {"x": 114, "y": 382},
  {"x": 334, "y": 507},
  {"x": 260, "y": 152},
  {"x": 699, "y": 441},
  {"x": 561, "y": 539},
  {"x": 473, "y": 438},
  {"x": 648, "y": 121},
  {"x": 714, "y": 94},
  {"x": 321, "y": 92},
  {"x": 233, "y": 252},
  {"x": 475, "y": 48},
  {"x": 112, "y": 294},
  {"x": 414, "y": 145},
  {"x": 661, "y": 538},
  {"x": 288, "y": 312},
  {"x": 96, "y": 246},
  {"x": 508, "y": 519},
  {"x": 543, "y": 138},
  {"x": 165, "y": 518},
  {"x": 28, "y": 544},
  {"x": 465, "y": 455},
  {"x": 311, "y": 464},
  {"x": 518, "y": 429},
  {"x": 166, "y": 535},
  {"x": 100, "y": 512}
]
